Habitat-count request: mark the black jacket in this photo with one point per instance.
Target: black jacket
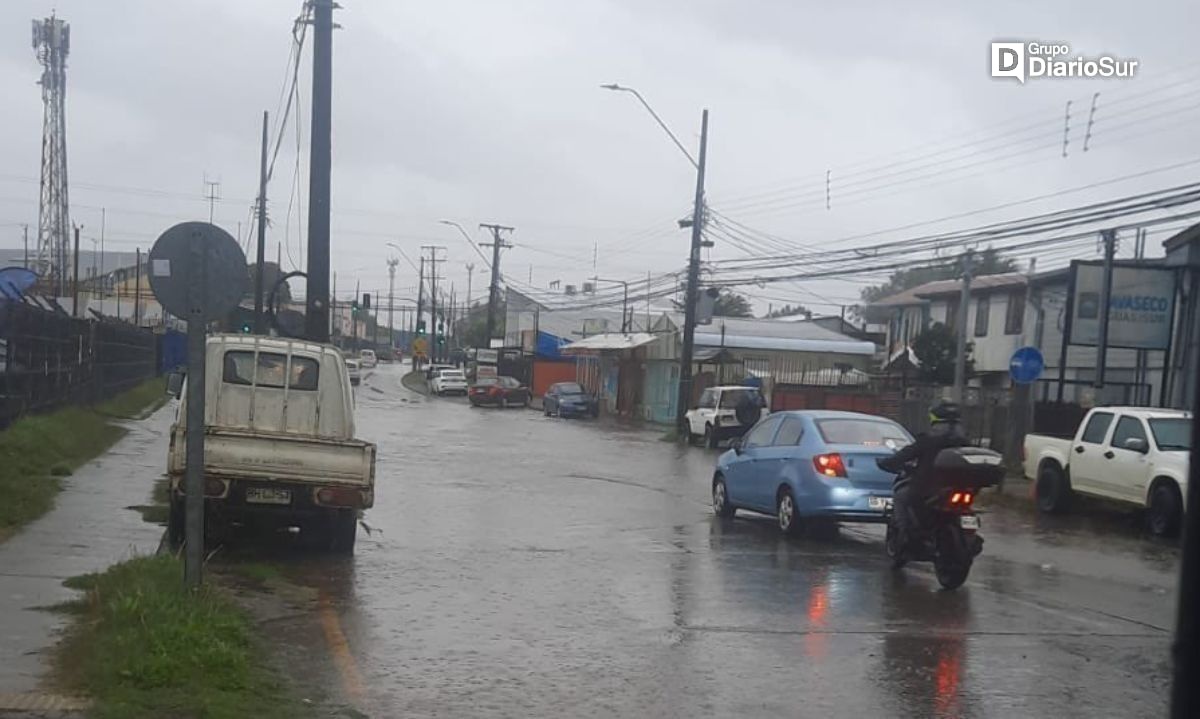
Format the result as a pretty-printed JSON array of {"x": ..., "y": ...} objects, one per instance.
[{"x": 923, "y": 451}]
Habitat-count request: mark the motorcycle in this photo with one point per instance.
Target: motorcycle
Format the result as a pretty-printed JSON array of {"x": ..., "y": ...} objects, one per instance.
[{"x": 944, "y": 528}]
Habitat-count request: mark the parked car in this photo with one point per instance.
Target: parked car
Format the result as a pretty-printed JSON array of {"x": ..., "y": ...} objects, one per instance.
[
  {"x": 723, "y": 413},
  {"x": 354, "y": 369},
  {"x": 270, "y": 457},
  {"x": 808, "y": 465},
  {"x": 368, "y": 359},
  {"x": 499, "y": 392},
  {"x": 568, "y": 399},
  {"x": 449, "y": 381},
  {"x": 432, "y": 370},
  {"x": 1134, "y": 455}
]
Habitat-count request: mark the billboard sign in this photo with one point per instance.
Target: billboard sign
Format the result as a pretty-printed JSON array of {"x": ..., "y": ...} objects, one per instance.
[
  {"x": 487, "y": 356},
  {"x": 1140, "y": 306}
]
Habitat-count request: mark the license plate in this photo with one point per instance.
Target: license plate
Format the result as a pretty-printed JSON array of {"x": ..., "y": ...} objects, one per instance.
[
  {"x": 880, "y": 503},
  {"x": 268, "y": 495},
  {"x": 968, "y": 521}
]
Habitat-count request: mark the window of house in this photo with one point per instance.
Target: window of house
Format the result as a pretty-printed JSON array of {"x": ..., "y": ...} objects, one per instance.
[
  {"x": 952, "y": 315},
  {"x": 1014, "y": 317},
  {"x": 983, "y": 308}
]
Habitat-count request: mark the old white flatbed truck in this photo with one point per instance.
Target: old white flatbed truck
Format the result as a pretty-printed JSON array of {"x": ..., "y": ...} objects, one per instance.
[{"x": 279, "y": 446}]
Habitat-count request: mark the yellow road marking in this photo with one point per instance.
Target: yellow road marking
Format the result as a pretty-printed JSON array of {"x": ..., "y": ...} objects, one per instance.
[{"x": 339, "y": 649}]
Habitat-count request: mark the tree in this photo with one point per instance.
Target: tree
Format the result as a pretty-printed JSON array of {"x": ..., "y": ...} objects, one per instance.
[
  {"x": 987, "y": 262},
  {"x": 472, "y": 330},
  {"x": 936, "y": 349},
  {"x": 730, "y": 304},
  {"x": 789, "y": 311}
]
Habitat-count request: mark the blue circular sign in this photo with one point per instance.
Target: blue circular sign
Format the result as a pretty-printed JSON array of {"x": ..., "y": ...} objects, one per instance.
[{"x": 1026, "y": 365}]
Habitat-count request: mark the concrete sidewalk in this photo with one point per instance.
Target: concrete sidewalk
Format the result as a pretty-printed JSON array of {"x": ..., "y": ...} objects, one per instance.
[{"x": 90, "y": 528}]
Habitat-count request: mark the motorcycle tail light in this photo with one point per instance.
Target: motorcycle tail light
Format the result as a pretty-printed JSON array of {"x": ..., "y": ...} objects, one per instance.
[
  {"x": 830, "y": 465},
  {"x": 961, "y": 499}
]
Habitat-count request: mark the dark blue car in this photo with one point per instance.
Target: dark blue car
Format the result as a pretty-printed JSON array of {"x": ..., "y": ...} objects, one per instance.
[
  {"x": 568, "y": 399},
  {"x": 810, "y": 464}
]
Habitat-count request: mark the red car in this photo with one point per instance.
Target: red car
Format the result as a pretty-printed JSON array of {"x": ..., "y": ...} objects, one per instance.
[{"x": 498, "y": 392}]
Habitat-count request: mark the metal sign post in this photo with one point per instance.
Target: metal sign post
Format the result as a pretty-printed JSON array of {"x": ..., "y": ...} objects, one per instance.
[{"x": 198, "y": 272}]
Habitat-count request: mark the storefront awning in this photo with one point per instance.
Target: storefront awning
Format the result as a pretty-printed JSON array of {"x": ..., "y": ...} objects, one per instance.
[{"x": 609, "y": 342}]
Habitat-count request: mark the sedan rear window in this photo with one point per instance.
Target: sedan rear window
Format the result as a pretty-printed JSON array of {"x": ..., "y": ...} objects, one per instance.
[
  {"x": 865, "y": 432},
  {"x": 569, "y": 388}
]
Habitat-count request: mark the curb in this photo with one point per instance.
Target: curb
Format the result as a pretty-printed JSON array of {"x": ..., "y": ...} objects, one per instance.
[{"x": 415, "y": 382}]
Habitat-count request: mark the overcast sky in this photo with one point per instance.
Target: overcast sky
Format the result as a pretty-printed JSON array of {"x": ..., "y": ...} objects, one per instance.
[{"x": 491, "y": 112}]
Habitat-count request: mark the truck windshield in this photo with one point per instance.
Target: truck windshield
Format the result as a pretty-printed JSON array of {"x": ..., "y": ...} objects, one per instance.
[
  {"x": 270, "y": 370},
  {"x": 1173, "y": 434}
]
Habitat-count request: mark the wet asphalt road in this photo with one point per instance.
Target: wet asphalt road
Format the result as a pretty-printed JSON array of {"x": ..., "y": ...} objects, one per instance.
[{"x": 523, "y": 566}]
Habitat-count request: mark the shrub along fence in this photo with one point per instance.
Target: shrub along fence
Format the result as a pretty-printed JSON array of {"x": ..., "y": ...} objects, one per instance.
[{"x": 49, "y": 359}]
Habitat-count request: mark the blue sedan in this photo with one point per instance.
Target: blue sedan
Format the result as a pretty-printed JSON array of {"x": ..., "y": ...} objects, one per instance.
[{"x": 810, "y": 464}]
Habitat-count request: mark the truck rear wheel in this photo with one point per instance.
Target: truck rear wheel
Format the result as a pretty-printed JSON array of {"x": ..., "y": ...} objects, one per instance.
[
  {"x": 343, "y": 530},
  {"x": 175, "y": 519},
  {"x": 1053, "y": 490},
  {"x": 1165, "y": 513}
]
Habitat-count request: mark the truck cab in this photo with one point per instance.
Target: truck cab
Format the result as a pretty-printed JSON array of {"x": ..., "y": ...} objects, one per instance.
[{"x": 280, "y": 446}]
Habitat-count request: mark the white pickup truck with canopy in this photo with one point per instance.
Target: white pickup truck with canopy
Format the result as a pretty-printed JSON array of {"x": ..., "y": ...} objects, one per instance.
[{"x": 279, "y": 444}]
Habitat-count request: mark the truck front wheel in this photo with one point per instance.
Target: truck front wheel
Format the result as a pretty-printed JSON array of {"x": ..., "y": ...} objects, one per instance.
[{"x": 1165, "y": 513}]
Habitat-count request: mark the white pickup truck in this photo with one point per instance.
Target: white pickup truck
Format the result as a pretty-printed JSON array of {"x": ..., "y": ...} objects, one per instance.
[
  {"x": 279, "y": 447},
  {"x": 1135, "y": 455}
]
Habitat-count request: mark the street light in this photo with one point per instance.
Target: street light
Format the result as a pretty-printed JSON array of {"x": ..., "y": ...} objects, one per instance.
[
  {"x": 466, "y": 236},
  {"x": 693, "y": 276}
]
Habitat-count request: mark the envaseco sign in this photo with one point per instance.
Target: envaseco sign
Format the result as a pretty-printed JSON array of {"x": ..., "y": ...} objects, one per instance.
[{"x": 1139, "y": 306}]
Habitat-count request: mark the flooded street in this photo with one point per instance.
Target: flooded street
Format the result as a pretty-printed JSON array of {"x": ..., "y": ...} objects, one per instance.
[{"x": 527, "y": 566}]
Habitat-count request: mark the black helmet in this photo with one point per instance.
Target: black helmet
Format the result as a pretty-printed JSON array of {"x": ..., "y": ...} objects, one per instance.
[{"x": 943, "y": 411}]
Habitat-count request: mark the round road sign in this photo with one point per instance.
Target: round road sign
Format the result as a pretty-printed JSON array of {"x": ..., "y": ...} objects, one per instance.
[
  {"x": 197, "y": 270},
  {"x": 1026, "y": 365}
]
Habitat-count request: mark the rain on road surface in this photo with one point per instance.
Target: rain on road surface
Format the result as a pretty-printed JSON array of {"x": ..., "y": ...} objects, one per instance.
[{"x": 525, "y": 566}]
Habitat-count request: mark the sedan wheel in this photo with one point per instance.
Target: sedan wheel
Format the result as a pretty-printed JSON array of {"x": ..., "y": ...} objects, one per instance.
[
  {"x": 785, "y": 510},
  {"x": 721, "y": 506}
]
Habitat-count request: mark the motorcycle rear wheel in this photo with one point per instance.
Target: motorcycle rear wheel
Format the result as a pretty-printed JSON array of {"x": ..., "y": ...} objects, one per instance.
[{"x": 952, "y": 560}]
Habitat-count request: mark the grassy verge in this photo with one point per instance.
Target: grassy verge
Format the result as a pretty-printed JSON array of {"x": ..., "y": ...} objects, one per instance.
[
  {"x": 36, "y": 450},
  {"x": 144, "y": 646}
]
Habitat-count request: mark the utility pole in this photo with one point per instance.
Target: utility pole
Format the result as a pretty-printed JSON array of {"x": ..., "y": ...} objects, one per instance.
[
  {"x": 260, "y": 325},
  {"x": 103, "y": 218},
  {"x": 137, "y": 288},
  {"x": 392, "y": 301},
  {"x": 624, "y": 302},
  {"x": 433, "y": 298},
  {"x": 471, "y": 271},
  {"x": 212, "y": 193},
  {"x": 420, "y": 305},
  {"x": 317, "y": 295},
  {"x": 75, "y": 281},
  {"x": 693, "y": 279},
  {"x": 960, "y": 354},
  {"x": 354, "y": 315},
  {"x": 1110, "y": 251},
  {"x": 25, "y": 234},
  {"x": 496, "y": 244}
]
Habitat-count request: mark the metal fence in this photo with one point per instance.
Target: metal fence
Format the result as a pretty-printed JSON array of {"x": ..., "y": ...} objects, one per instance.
[{"x": 49, "y": 359}]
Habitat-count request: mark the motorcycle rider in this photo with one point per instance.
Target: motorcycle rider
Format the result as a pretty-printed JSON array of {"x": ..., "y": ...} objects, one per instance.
[{"x": 945, "y": 431}]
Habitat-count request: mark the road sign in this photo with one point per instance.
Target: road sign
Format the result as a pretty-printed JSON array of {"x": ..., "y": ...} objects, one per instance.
[
  {"x": 198, "y": 273},
  {"x": 1026, "y": 365},
  {"x": 197, "y": 270},
  {"x": 420, "y": 346}
]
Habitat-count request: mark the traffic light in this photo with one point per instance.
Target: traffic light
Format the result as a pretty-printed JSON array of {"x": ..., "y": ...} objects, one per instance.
[
  {"x": 366, "y": 303},
  {"x": 246, "y": 328},
  {"x": 354, "y": 307},
  {"x": 421, "y": 327}
]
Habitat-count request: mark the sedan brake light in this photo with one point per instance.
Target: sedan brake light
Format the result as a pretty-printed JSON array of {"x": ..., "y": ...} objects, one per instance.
[{"x": 830, "y": 465}]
